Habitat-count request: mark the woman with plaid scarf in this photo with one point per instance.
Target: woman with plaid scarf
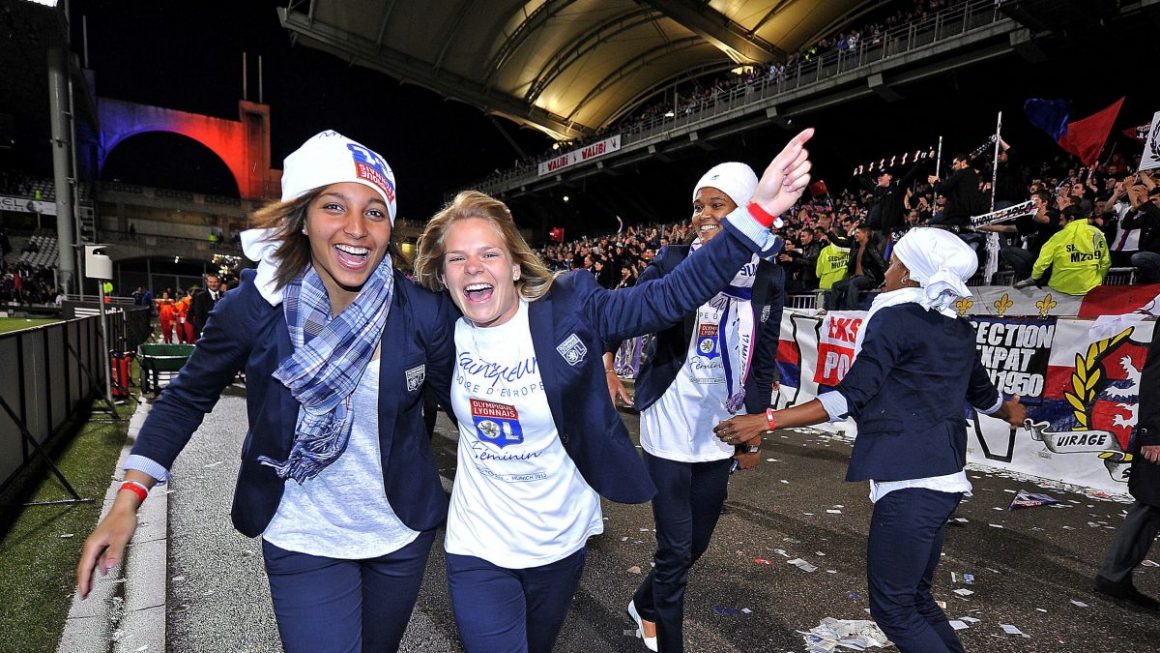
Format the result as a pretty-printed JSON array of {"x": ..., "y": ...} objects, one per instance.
[{"x": 337, "y": 474}]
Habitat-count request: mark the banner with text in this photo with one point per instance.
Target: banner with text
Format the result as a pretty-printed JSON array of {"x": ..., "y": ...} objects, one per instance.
[
  {"x": 25, "y": 205},
  {"x": 1080, "y": 386},
  {"x": 580, "y": 155}
]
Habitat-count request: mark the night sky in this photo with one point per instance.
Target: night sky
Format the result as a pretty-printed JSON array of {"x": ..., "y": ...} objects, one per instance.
[{"x": 187, "y": 56}]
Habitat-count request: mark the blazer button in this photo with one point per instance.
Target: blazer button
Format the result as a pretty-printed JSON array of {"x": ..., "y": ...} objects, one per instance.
[{"x": 564, "y": 438}]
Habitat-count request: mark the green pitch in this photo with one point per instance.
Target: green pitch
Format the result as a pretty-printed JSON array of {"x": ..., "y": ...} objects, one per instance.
[{"x": 8, "y": 324}]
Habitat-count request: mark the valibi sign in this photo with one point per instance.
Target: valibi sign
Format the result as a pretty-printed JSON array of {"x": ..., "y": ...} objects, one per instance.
[{"x": 586, "y": 153}]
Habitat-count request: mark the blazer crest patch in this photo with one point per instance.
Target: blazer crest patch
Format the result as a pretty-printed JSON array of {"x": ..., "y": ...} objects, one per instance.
[
  {"x": 415, "y": 377},
  {"x": 573, "y": 350}
]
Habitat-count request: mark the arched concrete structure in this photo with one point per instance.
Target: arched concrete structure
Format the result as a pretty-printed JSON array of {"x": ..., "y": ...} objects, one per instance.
[{"x": 243, "y": 144}]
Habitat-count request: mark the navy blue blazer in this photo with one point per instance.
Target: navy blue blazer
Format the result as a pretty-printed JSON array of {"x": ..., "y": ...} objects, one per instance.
[
  {"x": 906, "y": 390},
  {"x": 569, "y": 327},
  {"x": 659, "y": 370},
  {"x": 244, "y": 330}
]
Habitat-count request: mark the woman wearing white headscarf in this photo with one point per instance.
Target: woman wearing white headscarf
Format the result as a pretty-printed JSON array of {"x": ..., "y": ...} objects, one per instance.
[{"x": 913, "y": 353}]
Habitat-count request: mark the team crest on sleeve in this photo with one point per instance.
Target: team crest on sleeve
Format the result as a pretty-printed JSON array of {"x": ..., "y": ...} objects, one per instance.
[
  {"x": 497, "y": 424},
  {"x": 573, "y": 350},
  {"x": 415, "y": 377},
  {"x": 707, "y": 340}
]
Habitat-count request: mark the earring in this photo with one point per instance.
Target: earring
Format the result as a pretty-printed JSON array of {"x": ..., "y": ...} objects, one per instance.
[{"x": 304, "y": 231}]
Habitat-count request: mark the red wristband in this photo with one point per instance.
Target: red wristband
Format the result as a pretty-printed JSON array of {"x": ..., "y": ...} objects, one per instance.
[
  {"x": 769, "y": 418},
  {"x": 761, "y": 215},
  {"x": 135, "y": 488}
]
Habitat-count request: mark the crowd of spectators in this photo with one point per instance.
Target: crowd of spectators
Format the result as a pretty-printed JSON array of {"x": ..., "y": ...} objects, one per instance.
[
  {"x": 869, "y": 33},
  {"x": 841, "y": 241},
  {"x": 24, "y": 285}
]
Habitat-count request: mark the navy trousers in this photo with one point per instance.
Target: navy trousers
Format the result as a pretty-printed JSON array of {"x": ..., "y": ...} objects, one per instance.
[
  {"x": 499, "y": 610},
  {"x": 906, "y": 538},
  {"x": 1130, "y": 546},
  {"x": 345, "y": 606},
  {"x": 685, "y": 509}
]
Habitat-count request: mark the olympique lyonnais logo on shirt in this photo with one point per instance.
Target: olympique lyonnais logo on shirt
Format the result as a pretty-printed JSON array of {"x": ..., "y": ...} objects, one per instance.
[
  {"x": 707, "y": 340},
  {"x": 497, "y": 424},
  {"x": 371, "y": 167}
]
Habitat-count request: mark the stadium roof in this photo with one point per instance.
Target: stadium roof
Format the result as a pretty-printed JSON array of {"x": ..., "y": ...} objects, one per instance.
[{"x": 566, "y": 67}]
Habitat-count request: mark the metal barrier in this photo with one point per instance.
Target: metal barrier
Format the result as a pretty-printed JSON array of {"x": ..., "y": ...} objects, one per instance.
[
  {"x": 804, "y": 302},
  {"x": 1120, "y": 277},
  {"x": 47, "y": 373}
]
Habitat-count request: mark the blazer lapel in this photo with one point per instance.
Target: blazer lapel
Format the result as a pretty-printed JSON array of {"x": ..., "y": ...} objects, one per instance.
[
  {"x": 542, "y": 323},
  {"x": 393, "y": 332}
]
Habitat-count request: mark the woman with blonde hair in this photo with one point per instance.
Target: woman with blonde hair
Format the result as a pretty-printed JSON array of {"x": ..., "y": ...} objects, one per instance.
[
  {"x": 539, "y": 441},
  {"x": 337, "y": 475}
]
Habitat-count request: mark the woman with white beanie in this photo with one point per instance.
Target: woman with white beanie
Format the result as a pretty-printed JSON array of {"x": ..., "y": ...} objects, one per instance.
[
  {"x": 337, "y": 475},
  {"x": 718, "y": 362},
  {"x": 915, "y": 357}
]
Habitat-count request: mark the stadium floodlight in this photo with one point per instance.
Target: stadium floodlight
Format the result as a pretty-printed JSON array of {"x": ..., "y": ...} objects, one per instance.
[{"x": 46, "y": 3}]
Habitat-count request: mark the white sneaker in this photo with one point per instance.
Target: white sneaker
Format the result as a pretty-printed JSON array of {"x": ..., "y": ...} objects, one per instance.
[{"x": 649, "y": 642}]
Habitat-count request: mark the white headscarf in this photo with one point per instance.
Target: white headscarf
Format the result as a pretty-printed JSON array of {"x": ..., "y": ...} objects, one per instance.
[{"x": 940, "y": 262}]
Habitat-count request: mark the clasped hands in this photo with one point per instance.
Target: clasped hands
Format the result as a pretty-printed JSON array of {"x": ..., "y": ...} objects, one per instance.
[{"x": 741, "y": 429}]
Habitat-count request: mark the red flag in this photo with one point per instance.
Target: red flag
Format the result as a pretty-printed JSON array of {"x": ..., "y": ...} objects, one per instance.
[{"x": 1085, "y": 138}]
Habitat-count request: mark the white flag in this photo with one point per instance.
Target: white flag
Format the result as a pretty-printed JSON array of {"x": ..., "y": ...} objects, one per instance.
[{"x": 1151, "y": 158}]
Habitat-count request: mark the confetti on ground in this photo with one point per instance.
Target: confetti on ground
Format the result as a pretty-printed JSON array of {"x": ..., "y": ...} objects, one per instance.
[
  {"x": 958, "y": 625},
  {"x": 970, "y": 620},
  {"x": 726, "y": 611},
  {"x": 785, "y": 481},
  {"x": 634, "y": 570},
  {"x": 746, "y": 611},
  {"x": 834, "y": 512},
  {"x": 65, "y": 536},
  {"x": 1079, "y": 604},
  {"x": 762, "y": 561},
  {"x": 962, "y": 591},
  {"x": 1150, "y": 563},
  {"x": 857, "y": 634},
  {"x": 995, "y": 525},
  {"x": 803, "y": 565},
  {"x": 855, "y": 596},
  {"x": 1012, "y": 630}
]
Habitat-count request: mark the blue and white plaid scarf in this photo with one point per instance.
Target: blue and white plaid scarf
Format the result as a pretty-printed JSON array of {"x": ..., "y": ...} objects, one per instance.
[{"x": 330, "y": 356}]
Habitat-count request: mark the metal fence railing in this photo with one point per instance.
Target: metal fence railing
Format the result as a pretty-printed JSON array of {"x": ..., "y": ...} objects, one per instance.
[
  {"x": 49, "y": 372},
  {"x": 935, "y": 29}
]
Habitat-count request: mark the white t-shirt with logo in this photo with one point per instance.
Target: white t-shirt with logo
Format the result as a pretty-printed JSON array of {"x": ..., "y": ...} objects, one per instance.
[
  {"x": 679, "y": 426},
  {"x": 518, "y": 500}
]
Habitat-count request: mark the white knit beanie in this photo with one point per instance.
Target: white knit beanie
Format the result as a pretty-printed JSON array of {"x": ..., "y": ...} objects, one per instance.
[
  {"x": 331, "y": 158},
  {"x": 735, "y": 179}
]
